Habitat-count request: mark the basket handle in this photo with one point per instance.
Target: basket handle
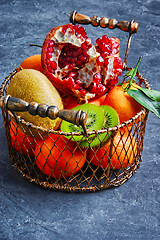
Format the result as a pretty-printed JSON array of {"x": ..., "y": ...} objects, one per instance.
[
  {"x": 131, "y": 27},
  {"x": 103, "y": 22},
  {"x": 43, "y": 110}
]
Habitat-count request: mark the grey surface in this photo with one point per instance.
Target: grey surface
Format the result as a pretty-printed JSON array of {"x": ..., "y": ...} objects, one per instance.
[{"x": 128, "y": 212}]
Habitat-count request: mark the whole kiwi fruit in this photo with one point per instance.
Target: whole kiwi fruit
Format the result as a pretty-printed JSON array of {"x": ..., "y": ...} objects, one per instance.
[{"x": 33, "y": 86}]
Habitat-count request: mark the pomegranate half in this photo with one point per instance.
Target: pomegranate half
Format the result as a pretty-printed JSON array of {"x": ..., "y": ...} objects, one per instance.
[{"x": 76, "y": 67}]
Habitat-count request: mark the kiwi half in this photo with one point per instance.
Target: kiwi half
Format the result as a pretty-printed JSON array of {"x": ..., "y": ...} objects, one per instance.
[
  {"x": 95, "y": 121},
  {"x": 111, "y": 119}
]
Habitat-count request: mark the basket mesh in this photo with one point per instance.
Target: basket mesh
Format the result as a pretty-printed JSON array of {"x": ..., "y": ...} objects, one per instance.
[{"x": 61, "y": 164}]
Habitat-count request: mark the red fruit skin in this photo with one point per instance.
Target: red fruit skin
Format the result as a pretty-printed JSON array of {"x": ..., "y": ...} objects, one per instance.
[
  {"x": 58, "y": 157},
  {"x": 98, "y": 157},
  {"x": 70, "y": 102},
  {"x": 21, "y": 142}
]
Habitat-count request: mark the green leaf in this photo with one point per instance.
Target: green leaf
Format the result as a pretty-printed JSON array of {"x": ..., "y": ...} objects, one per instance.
[
  {"x": 133, "y": 74},
  {"x": 129, "y": 73},
  {"x": 152, "y": 94},
  {"x": 145, "y": 101}
]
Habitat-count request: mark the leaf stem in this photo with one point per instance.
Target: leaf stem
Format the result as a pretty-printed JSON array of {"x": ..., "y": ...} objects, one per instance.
[
  {"x": 133, "y": 75},
  {"x": 35, "y": 45}
]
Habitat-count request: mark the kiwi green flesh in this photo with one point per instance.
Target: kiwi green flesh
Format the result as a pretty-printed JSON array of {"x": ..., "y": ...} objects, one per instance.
[
  {"x": 95, "y": 121},
  {"x": 111, "y": 119}
]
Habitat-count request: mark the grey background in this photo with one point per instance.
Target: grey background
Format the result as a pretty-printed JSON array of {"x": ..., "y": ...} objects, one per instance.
[{"x": 128, "y": 212}]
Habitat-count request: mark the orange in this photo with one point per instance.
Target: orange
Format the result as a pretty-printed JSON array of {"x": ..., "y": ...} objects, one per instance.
[
  {"x": 57, "y": 156},
  {"x": 123, "y": 152},
  {"x": 126, "y": 106},
  {"x": 21, "y": 142},
  {"x": 32, "y": 62},
  {"x": 98, "y": 101}
]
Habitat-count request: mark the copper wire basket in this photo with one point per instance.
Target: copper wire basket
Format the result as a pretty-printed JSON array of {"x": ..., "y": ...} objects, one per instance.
[{"x": 87, "y": 177}]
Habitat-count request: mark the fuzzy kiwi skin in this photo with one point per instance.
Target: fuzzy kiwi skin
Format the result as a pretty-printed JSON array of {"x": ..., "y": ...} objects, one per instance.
[
  {"x": 111, "y": 119},
  {"x": 33, "y": 86}
]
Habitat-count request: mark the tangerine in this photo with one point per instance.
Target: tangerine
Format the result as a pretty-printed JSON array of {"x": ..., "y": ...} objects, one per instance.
[
  {"x": 21, "y": 142},
  {"x": 32, "y": 62},
  {"x": 124, "y": 151},
  {"x": 58, "y": 157},
  {"x": 126, "y": 106}
]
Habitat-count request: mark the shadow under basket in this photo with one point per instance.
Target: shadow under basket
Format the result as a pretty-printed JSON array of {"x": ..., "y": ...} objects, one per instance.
[{"x": 121, "y": 158}]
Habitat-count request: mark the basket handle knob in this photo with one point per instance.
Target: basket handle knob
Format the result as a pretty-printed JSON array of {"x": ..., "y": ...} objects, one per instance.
[
  {"x": 103, "y": 22},
  {"x": 78, "y": 118}
]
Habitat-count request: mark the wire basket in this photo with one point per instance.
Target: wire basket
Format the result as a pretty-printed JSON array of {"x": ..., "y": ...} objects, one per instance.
[{"x": 84, "y": 169}]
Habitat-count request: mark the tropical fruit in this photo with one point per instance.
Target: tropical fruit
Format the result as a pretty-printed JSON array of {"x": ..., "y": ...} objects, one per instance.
[
  {"x": 95, "y": 120},
  {"x": 32, "y": 86}
]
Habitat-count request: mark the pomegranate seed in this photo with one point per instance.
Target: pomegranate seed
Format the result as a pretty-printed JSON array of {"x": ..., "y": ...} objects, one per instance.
[
  {"x": 47, "y": 61},
  {"x": 114, "y": 43},
  {"x": 80, "y": 51},
  {"x": 85, "y": 54},
  {"x": 48, "y": 55},
  {"x": 73, "y": 60},
  {"x": 106, "y": 62},
  {"x": 100, "y": 61},
  {"x": 98, "y": 40},
  {"x": 83, "y": 92},
  {"x": 103, "y": 46},
  {"x": 107, "y": 46},
  {"x": 79, "y": 64},
  {"x": 67, "y": 60},
  {"x": 50, "y": 69},
  {"x": 105, "y": 39},
  {"x": 84, "y": 46},
  {"x": 69, "y": 54},
  {"x": 72, "y": 74},
  {"x": 97, "y": 78},
  {"x": 105, "y": 55},
  {"x": 100, "y": 88},
  {"x": 114, "y": 52},
  {"x": 53, "y": 65},
  {"x": 50, "y": 49},
  {"x": 75, "y": 54},
  {"x": 117, "y": 63},
  {"x": 81, "y": 58},
  {"x": 51, "y": 43},
  {"x": 64, "y": 29},
  {"x": 92, "y": 88}
]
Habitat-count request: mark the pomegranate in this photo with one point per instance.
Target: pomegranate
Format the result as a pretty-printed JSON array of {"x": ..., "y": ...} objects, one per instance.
[{"x": 76, "y": 67}]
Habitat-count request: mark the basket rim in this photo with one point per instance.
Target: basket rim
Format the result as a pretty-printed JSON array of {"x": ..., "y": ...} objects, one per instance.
[{"x": 19, "y": 119}]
